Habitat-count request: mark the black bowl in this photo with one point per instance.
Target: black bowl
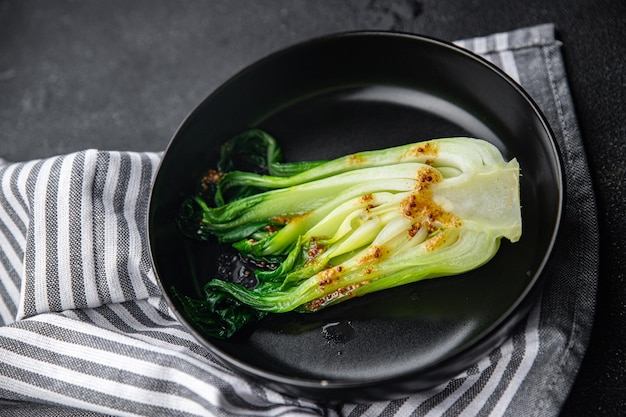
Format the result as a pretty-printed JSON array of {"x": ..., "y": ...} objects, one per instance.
[{"x": 351, "y": 92}]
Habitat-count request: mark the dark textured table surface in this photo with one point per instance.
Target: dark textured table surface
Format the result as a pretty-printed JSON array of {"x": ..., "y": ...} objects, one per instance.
[{"x": 120, "y": 75}]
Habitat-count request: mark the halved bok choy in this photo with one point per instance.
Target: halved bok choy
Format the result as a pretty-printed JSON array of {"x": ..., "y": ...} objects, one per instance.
[{"x": 321, "y": 232}]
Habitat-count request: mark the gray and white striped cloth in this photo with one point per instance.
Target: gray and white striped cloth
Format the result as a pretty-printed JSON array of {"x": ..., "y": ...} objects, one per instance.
[{"x": 85, "y": 331}]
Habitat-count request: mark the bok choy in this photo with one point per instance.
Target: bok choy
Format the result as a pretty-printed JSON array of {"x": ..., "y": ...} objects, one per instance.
[{"x": 321, "y": 232}]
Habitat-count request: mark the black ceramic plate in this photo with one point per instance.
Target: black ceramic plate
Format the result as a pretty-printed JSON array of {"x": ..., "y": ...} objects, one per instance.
[{"x": 352, "y": 92}]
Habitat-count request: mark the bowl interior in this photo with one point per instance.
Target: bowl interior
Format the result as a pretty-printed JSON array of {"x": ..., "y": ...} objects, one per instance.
[{"x": 347, "y": 93}]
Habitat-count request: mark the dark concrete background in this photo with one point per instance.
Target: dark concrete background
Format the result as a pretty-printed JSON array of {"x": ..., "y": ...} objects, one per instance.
[{"x": 122, "y": 75}]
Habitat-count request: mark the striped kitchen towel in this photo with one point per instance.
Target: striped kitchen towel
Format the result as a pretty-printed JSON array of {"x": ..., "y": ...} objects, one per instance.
[{"x": 85, "y": 331}]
